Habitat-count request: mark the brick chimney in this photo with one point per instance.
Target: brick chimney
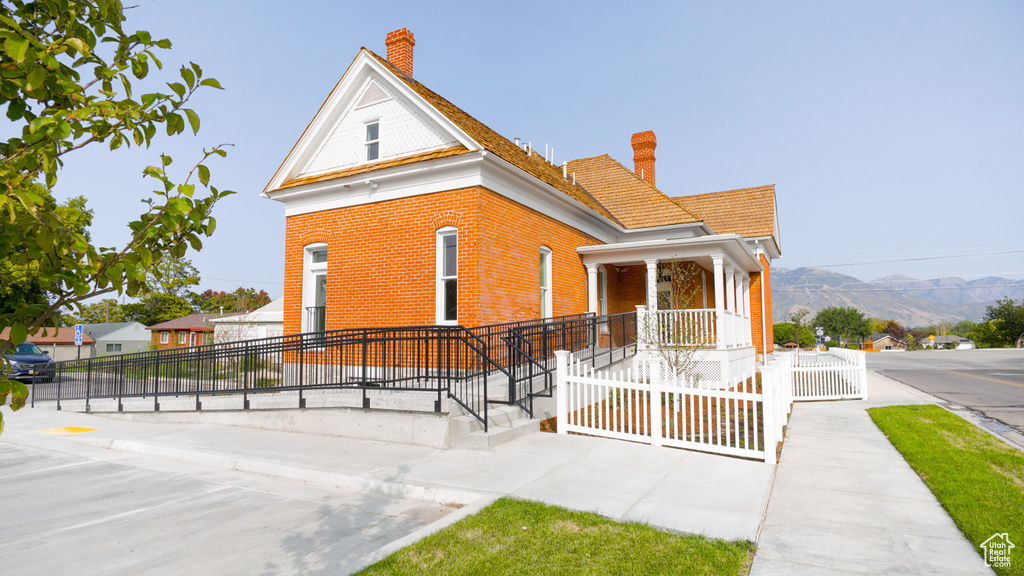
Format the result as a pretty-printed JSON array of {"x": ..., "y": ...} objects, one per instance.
[
  {"x": 643, "y": 155},
  {"x": 400, "y": 43}
]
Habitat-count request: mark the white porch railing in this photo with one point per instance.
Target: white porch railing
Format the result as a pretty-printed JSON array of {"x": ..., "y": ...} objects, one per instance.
[
  {"x": 693, "y": 327},
  {"x": 667, "y": 409}
]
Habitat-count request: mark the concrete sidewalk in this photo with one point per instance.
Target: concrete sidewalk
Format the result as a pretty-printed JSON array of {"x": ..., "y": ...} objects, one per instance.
[
  {"x": 673, "y": 490},
  {"x": 846, "y": 502}
]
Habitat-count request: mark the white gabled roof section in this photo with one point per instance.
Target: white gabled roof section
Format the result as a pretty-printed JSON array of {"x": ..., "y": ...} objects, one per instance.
[{"x": 368, "y": 91}]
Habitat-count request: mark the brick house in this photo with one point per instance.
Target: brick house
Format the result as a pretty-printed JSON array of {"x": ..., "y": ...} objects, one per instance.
[
  {"x": 191, "y": 330},
  {"x": 402, "y": 209}
]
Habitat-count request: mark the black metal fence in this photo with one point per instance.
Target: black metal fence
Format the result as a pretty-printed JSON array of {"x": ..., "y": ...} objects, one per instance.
[
  {"x": 442, "y": 360},
  {"x": 531, "y": 350}
]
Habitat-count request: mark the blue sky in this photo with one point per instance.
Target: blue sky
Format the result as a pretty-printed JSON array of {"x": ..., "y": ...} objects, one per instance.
[{"x": 892, "y": 130}]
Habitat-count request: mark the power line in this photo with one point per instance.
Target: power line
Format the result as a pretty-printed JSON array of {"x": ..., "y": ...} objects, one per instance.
[
  {"x": 947, "y": 257},
  {"x": 818, "y": 287},
  {"x": 245, "y": 281}
]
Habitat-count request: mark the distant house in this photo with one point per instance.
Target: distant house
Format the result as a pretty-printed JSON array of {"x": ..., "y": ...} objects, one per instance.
[
  {"x": 118, "y": 338},
  {"x": 884, "y": 343},
  {"x": 951, "y": 341},
  {"x": 264, "y": 322},
  {"x": 59, "y": 343},
  {"x": 191, "y": 330}
]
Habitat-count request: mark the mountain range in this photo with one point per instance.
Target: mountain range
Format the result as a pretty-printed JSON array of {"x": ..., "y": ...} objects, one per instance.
[{"x": 910, "y": 301}]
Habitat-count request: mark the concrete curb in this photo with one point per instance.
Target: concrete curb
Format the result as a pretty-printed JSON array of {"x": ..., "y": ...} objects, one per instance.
[
  {"x": 438, "y": 495},
  {"x": 432, "y": 528}
]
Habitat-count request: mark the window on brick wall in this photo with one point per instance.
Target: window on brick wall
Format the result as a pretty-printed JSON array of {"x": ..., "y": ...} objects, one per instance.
[
  {"x": 448, "y": 275},
  {"x": 545, "y": 282},
  {"x": 314, "y": 289},
  {"x": 182, "y": 338},
  {"x": 165, "y": 337}
]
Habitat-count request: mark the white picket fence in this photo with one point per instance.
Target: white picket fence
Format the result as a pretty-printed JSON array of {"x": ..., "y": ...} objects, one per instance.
[
  {"x": 667, "y": 409},
  {"x": 836, "y": 374}
]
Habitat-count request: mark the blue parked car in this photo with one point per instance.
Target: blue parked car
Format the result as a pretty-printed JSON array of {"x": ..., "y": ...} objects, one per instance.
[{"x": 30, "y": 364}]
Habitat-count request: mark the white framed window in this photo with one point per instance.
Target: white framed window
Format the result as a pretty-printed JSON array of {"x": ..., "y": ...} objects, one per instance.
[
  {"x": 372, "y": 140},
  {"x": 113, "y": 347},
  {"x": 314, "y": 288},
  {"x": 545, "y": 282},
  {"x": 447, "y": 275},
  {"x": 165, "y": 337},
  {"x": 182, "y": 338}
]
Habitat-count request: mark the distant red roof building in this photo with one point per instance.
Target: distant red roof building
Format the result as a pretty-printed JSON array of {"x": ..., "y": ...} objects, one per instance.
[
  {"x": 63, "y": 335},
  {"x": 191, "y": 330}
]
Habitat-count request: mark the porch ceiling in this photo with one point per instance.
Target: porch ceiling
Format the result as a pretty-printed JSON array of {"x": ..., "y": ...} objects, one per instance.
[{"x": 731, "y": 247}]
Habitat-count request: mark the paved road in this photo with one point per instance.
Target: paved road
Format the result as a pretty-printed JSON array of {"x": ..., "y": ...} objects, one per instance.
[
  {"x": 96, "y": 511},
  {"x": 990, "y": 382}
]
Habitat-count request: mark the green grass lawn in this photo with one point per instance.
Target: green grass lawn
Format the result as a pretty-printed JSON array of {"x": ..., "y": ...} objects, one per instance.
[
  {"x": 978, "y": 479},
  {"x": 523, "y": 538}
]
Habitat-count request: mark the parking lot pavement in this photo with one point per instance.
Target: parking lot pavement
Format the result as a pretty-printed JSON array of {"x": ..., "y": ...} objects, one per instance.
[{"x": 78, "y": 509}]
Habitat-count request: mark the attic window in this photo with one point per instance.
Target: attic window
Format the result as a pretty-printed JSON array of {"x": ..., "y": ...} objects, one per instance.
[{"x": 372, "y": 141}]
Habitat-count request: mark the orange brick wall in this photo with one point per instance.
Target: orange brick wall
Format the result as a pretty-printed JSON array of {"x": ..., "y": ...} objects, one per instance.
[
  {"x": 172, "y": 340},
  {"x": 382, "y": 261},
  {"x": 628, "y": 288},
  {"x": 756, "y": 321}
]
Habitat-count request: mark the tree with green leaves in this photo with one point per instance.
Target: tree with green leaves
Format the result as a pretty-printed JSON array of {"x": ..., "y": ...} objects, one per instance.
[
  {"x": 845, "y": 322},
  {"x": 22, "y": 287},
  {"x": 241, "y": 300},
  {"x": 106, "y": 310},
  {"x": 66, "y": 75},
  {"x": 1003, "y": 325}
]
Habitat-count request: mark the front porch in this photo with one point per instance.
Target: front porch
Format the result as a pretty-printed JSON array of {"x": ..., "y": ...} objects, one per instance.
[{"x": 680, "y": 304}]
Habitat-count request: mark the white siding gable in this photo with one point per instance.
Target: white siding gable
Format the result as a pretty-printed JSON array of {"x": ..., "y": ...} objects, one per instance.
[{"x": 403, "y": 131}]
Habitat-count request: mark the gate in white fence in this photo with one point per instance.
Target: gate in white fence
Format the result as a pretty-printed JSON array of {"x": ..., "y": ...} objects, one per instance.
[
  {"x": 835, "y": 374},
  {"x": 667, "y": 409}
]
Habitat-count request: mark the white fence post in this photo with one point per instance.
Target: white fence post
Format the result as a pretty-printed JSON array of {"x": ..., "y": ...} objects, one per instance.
[
  {"x": 769, "y": 412},
  {"x": 862, "y": 373},
  {"x": 562, "y": 390},
  {"x": 657, "y": 371}
]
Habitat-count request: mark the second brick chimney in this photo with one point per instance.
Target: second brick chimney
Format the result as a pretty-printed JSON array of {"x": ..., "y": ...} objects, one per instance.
[
  {"x": 643, "y": 155},
  {"x": 400, "y": 43}
]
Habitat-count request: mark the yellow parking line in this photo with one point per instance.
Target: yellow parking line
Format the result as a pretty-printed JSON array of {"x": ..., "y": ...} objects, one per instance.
[
  {"x": 987, "y": 378},
  {"x": 68, "y": 430}
]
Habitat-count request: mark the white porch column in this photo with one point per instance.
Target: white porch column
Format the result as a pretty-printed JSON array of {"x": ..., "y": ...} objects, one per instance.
[
  {"x": 748, "y": 330},
  {"x": 652, "y": 285},
  {"x": 730, "y": 304},
  {"x": 719, "y": 276},
  {"x": 592, "y": 288}
]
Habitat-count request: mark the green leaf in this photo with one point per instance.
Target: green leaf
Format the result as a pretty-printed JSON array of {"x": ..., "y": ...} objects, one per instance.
[
  {"x": 212, "y": 83},
  {"x": 18, "y": 390},
  {"x": 193, "y": 119},
  {"x": 204, "y": 174},
  {"x": 80, "y": 45},
  {"x": 16, "y": 48},
  {"x": 189, "y": 77},
  {"x": 35, "y": 78},
  {"x": 5, "y": 385},
  {"x": 18, "y": 333},
  {"x": 211, "y": 225},
  {"x": 178, "y": 88}
]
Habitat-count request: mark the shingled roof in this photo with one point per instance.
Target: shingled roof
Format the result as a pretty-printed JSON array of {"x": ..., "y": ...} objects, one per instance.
[
  {"x": 490, "y": 140},
  {"x": 498, "y": 145},
  {"x": 633, "y": 201},
  {"x": 193, "y": 322},
  {"x": 749, "y": 212}
]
